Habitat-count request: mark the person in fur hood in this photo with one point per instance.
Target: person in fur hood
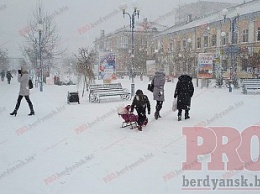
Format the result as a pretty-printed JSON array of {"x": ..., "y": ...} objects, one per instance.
[{"x": 140, "y": 103}]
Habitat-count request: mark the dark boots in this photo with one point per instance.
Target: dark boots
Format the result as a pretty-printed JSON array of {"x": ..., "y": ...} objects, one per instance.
[
  {"x": 31, "y": 108},
  {"x": 186, "y": 114},
  {"x": 31, "y": 113},
  {"x": 14, "y": 112},
  {"x": 158, "y": 107},
  {"x": 156, "y": 115},
  {"x": 18, "y": 105}
]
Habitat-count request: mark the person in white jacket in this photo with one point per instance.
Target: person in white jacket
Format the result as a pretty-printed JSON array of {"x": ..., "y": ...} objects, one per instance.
[{"x": 23, "y": 78}]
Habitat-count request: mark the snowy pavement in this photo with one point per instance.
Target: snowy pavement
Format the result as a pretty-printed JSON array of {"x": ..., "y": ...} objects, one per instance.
[{"x": 81, "y": 149}]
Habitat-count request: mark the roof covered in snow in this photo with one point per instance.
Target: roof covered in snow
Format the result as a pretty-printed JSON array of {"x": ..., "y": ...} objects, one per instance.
[{"x": 242, "y": 9}]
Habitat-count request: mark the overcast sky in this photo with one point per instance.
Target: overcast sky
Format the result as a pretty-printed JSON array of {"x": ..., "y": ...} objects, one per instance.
[{"x": 74, "y": 18}]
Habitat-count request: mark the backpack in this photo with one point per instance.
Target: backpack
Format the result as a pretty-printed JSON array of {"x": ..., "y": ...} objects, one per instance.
[{"x": 30, "y": 84}]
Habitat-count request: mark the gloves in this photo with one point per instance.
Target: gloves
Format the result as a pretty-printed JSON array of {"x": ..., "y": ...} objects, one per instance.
[
  {"x": 19, "y": 71},
  {"x": 149, "y": 112}
]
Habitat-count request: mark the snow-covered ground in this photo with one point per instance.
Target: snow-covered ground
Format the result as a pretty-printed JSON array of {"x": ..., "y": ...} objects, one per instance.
[{"x": 81, "y": 149}]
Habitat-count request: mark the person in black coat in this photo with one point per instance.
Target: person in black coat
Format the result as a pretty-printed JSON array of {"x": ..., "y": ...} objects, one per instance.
[
  {"x": 183, "y": 92},
  {"x": 9, "y": 76},
  {"x": 140, "y": 103}
]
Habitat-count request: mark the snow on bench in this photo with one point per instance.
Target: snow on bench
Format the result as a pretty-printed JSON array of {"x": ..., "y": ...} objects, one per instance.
[
  {"x": 96, "y": 91},
  {"x": 250, "y": 84}
]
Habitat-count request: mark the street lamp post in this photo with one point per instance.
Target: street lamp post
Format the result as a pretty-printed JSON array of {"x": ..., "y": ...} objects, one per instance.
[
  {"x": 40, "y": 28},
  {"x": 220, "y": 70},
  {"x": 231, "y": 49},
  {"x": 132, "y": 26},
  {"x": 189, "y": 55},
  {"x": 36, "y": 64}
]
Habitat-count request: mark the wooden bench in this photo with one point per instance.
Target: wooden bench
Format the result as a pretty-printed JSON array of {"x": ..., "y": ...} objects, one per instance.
[
  {"x": 97, "y": 91},
  {"x": 250, "y": 84}
]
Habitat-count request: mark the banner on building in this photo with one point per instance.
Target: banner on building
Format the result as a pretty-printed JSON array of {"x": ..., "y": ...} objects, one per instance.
[
  {"x": 205, "y": 65},
  {"x": 107, "y": 66}
]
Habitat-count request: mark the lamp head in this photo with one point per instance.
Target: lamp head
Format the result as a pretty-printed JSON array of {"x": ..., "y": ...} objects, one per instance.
[
  {"x": 224, "y": 12},
  {"x": 238, "y": 10},
  {"x": 223, "y": 34},
  {"x": 138, "y": 13}
]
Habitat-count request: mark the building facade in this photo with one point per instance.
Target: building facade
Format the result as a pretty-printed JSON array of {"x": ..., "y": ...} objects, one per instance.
[
  {"x": 120, "y": 43},
  {"x": 233, "y": 35}
]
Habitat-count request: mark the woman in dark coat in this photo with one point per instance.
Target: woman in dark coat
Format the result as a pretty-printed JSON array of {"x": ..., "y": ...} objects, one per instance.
[
  {"x": 23, "y": 78},
  {"x": 183, "y": 92}
]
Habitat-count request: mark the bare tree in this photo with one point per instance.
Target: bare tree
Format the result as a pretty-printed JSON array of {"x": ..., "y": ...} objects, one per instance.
[
  {"x": 84, "y": 67},
  {"x": 48, "y": 43},
  {"x": 4, "y": 61}
]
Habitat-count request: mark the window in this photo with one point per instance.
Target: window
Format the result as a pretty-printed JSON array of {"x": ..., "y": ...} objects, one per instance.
[
  {"x": 124, "y": 42},
  {"x": 244, "y": 64},
  {"x": 235, "y": 37},
  {"x": 258, "y": 34},
  {"x": 178, "y": 45},
  {"x": 118, "y": 42},
  {"x": 206, "y": 41},
  {"x": 245, "y": 35},
  {"x": 171, "y": 47},
  {"x": 198, "y": 42},
  {"x": 214, "y": 40},
  {"x": 224, "y": 39},
  {"x": 184, "y": 44},
  {"x": 108, "y": 44}
]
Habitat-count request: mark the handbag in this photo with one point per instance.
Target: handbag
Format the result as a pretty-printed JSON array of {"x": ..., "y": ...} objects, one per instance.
[
  {"x": 150, "y": 87},
  {"x": 30, "y": 84},
  {"x": 174, "y": 105}
]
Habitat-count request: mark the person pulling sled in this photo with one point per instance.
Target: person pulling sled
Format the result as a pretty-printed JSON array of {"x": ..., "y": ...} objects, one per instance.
[{"x": 140, "y": 103}]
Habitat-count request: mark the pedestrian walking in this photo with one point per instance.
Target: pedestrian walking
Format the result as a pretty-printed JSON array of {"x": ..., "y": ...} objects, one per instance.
[
  {"x": 183, "y": 92},
  {"x": 23, "y": 78},
  {"x": 158, "y": 82},
  {"x": 8, "y": 76},
  {"x": 2, "y": 75}
]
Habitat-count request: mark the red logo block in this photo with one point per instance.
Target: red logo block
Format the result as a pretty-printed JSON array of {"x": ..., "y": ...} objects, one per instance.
[{"x": 217, "y": 141}]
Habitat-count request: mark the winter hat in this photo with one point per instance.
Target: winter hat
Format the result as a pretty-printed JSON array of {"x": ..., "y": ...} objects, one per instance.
[
  {"x": 139, "y": 92},
  {"x": 25, "y": 68},
  {"x": 161, "y": 70}
]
